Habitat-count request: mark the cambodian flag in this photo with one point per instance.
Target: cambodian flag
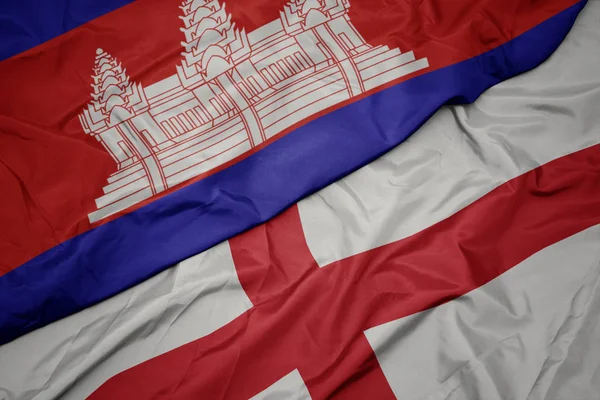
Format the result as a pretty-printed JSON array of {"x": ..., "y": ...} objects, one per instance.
[{"x": 227, "y": 201}]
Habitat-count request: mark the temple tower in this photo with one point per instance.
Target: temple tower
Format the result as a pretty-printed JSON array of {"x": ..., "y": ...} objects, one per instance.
[
  {"x": 118, "y": 118},
  {"x": 326, "y": 23},
  {"x": 212, "y": 50},
  {"x": 213, "y": 45},
  {"x": 115, "y": 98}
]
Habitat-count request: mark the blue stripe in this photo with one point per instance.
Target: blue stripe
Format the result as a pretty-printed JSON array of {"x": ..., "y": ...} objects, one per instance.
[
  {"x": 26, "y": 23},
  {"x": 124, "y": 252}
]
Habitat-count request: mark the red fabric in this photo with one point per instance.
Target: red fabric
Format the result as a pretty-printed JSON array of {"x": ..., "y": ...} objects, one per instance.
[
  {"x": 312, "y": 319},
  {"x": 51, "y": 172}
]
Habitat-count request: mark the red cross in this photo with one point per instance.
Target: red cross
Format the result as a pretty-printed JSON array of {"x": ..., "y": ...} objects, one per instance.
[{"x": 312, "y": 319}]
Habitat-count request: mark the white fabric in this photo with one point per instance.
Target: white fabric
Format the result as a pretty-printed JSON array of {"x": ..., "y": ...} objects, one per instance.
[
  {"x": 464, "y": 152},
  {"x": 506, "y": 339},
  {"x": 72, "y": 357},
  {"x": 290, "y": 387}
]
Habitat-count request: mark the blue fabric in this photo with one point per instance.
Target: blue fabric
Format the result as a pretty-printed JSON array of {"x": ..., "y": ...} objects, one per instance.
[
  {"x": 83, "y": 271},
  {"x": 27, "y": 23}
]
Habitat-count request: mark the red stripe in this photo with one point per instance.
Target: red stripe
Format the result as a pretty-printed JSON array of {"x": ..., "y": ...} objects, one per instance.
[
  {"x": 274, "y": 261},
  {"x": 51, "y": 172},
  {"x": 272, "y": 257},
  {"x": 314, "y": 321}
]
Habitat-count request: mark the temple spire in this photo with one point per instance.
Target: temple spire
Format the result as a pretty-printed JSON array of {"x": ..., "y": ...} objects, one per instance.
[
  {"x": 210, "y": 38},
  {"x": 114, "y": 97},
  {"x": 111, "y": 83},
  {"x": 298, "y": 15}
]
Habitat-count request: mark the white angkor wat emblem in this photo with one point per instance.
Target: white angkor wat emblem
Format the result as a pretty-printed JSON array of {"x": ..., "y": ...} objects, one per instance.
[{"x": 232, "y": 91}]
